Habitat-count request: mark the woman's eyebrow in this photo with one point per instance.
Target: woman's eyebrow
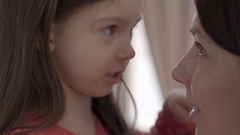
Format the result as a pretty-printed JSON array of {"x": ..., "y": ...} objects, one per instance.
[{"x": 194, "y": 30}]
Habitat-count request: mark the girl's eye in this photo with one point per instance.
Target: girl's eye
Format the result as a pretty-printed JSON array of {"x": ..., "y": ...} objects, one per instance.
[
  {"x": 201, "y": 50},
  {"x": 110, "y": 30}
]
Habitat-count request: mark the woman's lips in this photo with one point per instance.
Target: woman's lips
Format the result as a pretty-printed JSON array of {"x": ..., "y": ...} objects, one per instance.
[{"x": 194, "y": 113}]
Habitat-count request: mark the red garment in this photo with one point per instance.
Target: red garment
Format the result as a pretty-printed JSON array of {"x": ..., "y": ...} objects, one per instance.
[
  {"x": 166, "y": 124},
  {"x": 58, "y": 130}
]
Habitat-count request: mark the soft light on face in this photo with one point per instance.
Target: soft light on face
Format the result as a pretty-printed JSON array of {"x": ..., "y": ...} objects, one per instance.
[
  {"x": 92, "y": 48},
  {"x": 212, "y": 79}
]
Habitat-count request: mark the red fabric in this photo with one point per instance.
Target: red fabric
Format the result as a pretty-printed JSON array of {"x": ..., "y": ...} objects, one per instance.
[
  {"x": 166, "y": 124},
  {"x": 58, "y": 130}
]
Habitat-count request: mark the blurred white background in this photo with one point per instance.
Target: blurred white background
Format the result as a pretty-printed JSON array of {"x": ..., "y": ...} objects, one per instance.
[{"x": 160, "y": 40}]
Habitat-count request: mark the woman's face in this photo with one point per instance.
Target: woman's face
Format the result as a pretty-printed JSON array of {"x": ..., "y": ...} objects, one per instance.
[
  {"x": 212, "y": 79},
  {"x": 92, "y": 48}
]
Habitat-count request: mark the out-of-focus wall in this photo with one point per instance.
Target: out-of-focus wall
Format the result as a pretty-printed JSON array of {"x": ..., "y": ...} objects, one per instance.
[
  {"x": 160, "y": 40},
  {"x": 167, "y": 24}
]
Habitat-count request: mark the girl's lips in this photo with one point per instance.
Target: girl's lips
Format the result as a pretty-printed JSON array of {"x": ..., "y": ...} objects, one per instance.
[
  {"x": 114, "y": 78},
  {"x": 194, "y": 113}
]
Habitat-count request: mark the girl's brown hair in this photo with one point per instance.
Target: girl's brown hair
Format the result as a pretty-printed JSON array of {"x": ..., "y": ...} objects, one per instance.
[{"x": 28, "y": 81}]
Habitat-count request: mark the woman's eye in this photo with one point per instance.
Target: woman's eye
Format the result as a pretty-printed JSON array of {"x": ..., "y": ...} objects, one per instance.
[
  {"x": 110, "y": 30},
  {"x": 201, "y": 50}
]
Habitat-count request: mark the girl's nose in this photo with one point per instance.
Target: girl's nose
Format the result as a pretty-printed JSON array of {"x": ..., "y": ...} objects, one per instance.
[{"x": 126, "y": 52}]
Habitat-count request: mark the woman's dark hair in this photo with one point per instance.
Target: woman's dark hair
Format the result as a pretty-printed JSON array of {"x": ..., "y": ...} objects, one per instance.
[
  {"x": 28, "y": 81},
  {"x": 221, "y": 21}
]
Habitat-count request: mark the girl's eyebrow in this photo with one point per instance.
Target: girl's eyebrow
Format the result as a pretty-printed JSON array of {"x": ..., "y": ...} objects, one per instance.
[
  {"x": 103, "y": 19},
  {"x": 117, "y": 19}
]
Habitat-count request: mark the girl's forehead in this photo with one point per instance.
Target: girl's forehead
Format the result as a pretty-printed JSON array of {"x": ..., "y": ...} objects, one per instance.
[
  {"x": 122, "y": 9},
  {"x": 115, "y": 5}
]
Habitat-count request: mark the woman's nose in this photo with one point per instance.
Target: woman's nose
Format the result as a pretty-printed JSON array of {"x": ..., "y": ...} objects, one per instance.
[
  {"x": 176, "y": 74},
  {"x": 181, "y": 74}
]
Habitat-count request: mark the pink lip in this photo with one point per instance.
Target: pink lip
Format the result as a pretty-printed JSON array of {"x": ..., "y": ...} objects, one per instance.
[
  {"x": 194, "y": 113},
  {"x": 114, "y": 78}
]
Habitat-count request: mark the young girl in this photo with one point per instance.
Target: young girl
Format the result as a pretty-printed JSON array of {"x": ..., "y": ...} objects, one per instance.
[{"x": 59, "y": 61}]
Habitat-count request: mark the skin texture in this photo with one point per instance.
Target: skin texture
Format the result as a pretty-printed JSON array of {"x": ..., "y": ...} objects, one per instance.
[
  {"x": 211, "y": 76},
  {"x": 90, "y": 50}
]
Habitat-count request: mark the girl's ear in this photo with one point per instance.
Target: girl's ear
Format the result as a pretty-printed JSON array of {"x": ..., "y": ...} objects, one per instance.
[{"x": 52, "y": 43}]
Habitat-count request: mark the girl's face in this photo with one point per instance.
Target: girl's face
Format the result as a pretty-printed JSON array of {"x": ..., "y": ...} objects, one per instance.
[
  {"x": 92, "y": 48},
  {"x": 212, "y": 79}
]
